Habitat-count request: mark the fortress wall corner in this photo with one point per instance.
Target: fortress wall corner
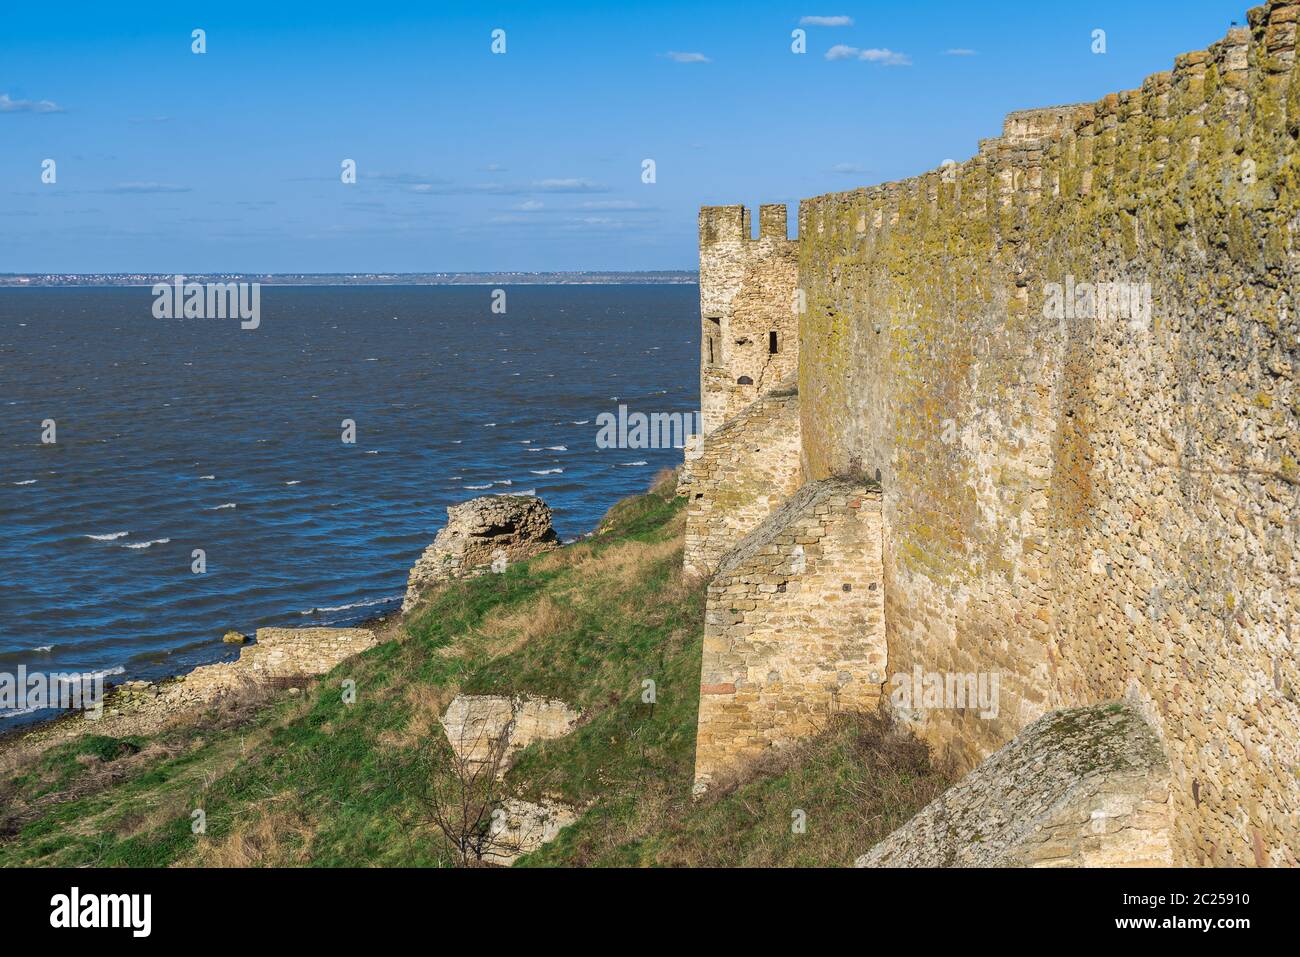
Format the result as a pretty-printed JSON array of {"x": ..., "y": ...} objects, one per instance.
[
  {"x": 794, "y": 627},
  {"x": 744, "y": 472}
]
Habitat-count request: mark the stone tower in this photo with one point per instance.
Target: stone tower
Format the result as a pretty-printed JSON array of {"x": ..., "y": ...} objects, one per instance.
[{"x": 749, "y": 341}]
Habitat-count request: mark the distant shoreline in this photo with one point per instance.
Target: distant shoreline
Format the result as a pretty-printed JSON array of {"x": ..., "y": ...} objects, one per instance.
[{"x": 612, "y": 278}]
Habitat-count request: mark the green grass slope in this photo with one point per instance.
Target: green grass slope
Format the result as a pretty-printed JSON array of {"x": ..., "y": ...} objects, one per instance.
[{"x": 310, "y": 778}]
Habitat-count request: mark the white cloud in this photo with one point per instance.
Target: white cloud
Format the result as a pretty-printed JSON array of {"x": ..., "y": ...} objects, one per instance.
[
  {"x": 884, "y": 57},
  {"x": 531, "y": 205},
  {"x": 960, "y": 51},
  {"x": 848, "y": 168},
  {"x": 687, "y": 57},
  {"x": 8, "y": 105},
  {"x": 839, "y": 21}
]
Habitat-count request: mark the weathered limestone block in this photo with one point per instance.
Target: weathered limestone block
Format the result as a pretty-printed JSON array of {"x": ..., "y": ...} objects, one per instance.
[
  {"x": 279, "y": 653},
  {"x": 794, "y": 627},
  {"x": 691, "y": 453},
  {"x": 1087, "y": 787},
  {"x": 486, "y": 728},
  {"x": 521, "y": 827},
  {"x": 747, "y": 469},
  {"x": 478, "y": 724},
  {"x": 481, "y": 535}
]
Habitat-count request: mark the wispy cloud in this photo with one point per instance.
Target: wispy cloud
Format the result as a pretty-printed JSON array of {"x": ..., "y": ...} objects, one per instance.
[
  {"x": 621, "y": 204},
  {"x": 853, "y": 168},
  {"x": 960, "y": 51},
  {"x": 8, "y": 105},
  {"x": 886, "y": 57},
  {"x": 838, "y": 21},
  {"x": 430, "y": 186},
  {"x": 569, "y": 186},
  {"x": 687, "y": 57},
  {"x": 883, "y": 57}
]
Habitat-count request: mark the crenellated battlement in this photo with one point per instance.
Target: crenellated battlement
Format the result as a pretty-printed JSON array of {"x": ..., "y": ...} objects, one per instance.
[
  {"x": 723, "y": 224},
  {"x": 732, "y": 224}
]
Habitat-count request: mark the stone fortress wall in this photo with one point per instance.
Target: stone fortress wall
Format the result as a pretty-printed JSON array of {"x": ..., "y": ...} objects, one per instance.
[
  {"x": 794, "y": 626},
  {"x": 1070, "y": 363}
]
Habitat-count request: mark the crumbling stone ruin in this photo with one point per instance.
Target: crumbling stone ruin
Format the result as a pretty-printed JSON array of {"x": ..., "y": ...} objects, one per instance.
[
  {"x": 1086, "y": 787},
  {"x": 487, "y": 730},
  {"x": 1069, "y": 363},
  {"x": 481, "y": 535},
  {"x": 280, "y": 655},
  {"x": 794, "y": 626},
  {"x": 475, "y": 724}
]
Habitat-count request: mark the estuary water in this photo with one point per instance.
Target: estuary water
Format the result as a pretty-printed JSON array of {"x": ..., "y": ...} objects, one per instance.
[{"x": 130, "y": 442}]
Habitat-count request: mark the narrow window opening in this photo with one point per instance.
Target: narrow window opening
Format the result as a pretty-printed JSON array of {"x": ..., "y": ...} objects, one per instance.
[
  {"x": 710, "y": 341},
  {"x": 744, "y": 380},
  {"x": 771, "y": 343}
]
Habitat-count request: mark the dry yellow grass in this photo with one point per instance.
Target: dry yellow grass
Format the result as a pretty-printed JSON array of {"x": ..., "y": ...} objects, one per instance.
[
  {"x": 504, "y": 631},
  {"x": 276, "y": 835},
  {"x": 625, "y": 563},
  {"x": 427, "y": 703}
]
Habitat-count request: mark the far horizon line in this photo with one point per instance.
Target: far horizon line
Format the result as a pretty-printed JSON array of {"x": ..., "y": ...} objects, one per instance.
[{"x": 469, "y": 277}]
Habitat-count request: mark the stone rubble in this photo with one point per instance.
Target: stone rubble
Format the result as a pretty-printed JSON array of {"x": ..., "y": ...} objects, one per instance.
[{"x": 482, "y": 535}]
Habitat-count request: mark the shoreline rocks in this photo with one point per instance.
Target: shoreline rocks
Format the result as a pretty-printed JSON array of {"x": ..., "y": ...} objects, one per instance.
[
  {"x": 279, "y": 656},
  {"x": 483, "y": 535}
]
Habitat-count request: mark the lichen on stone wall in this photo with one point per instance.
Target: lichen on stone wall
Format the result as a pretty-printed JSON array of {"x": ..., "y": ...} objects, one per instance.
[{"x": 1094, "y": 502}]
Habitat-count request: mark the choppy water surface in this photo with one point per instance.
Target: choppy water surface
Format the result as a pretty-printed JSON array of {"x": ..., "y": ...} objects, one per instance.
[{"x": 176, "y": 435}]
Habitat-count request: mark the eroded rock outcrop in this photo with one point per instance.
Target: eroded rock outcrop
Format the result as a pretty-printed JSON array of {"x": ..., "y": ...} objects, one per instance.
[
  {"x": 478, "y": 724},
  {"x": 481, "y": 535},
  {"x": 1085, "y": 787},
  {"x": 521, "y": 827},
  {"x": 486, "y": 730}
]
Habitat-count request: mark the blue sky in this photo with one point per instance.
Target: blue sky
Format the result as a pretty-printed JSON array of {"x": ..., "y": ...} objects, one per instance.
[{"x": 169, "y": 161}]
